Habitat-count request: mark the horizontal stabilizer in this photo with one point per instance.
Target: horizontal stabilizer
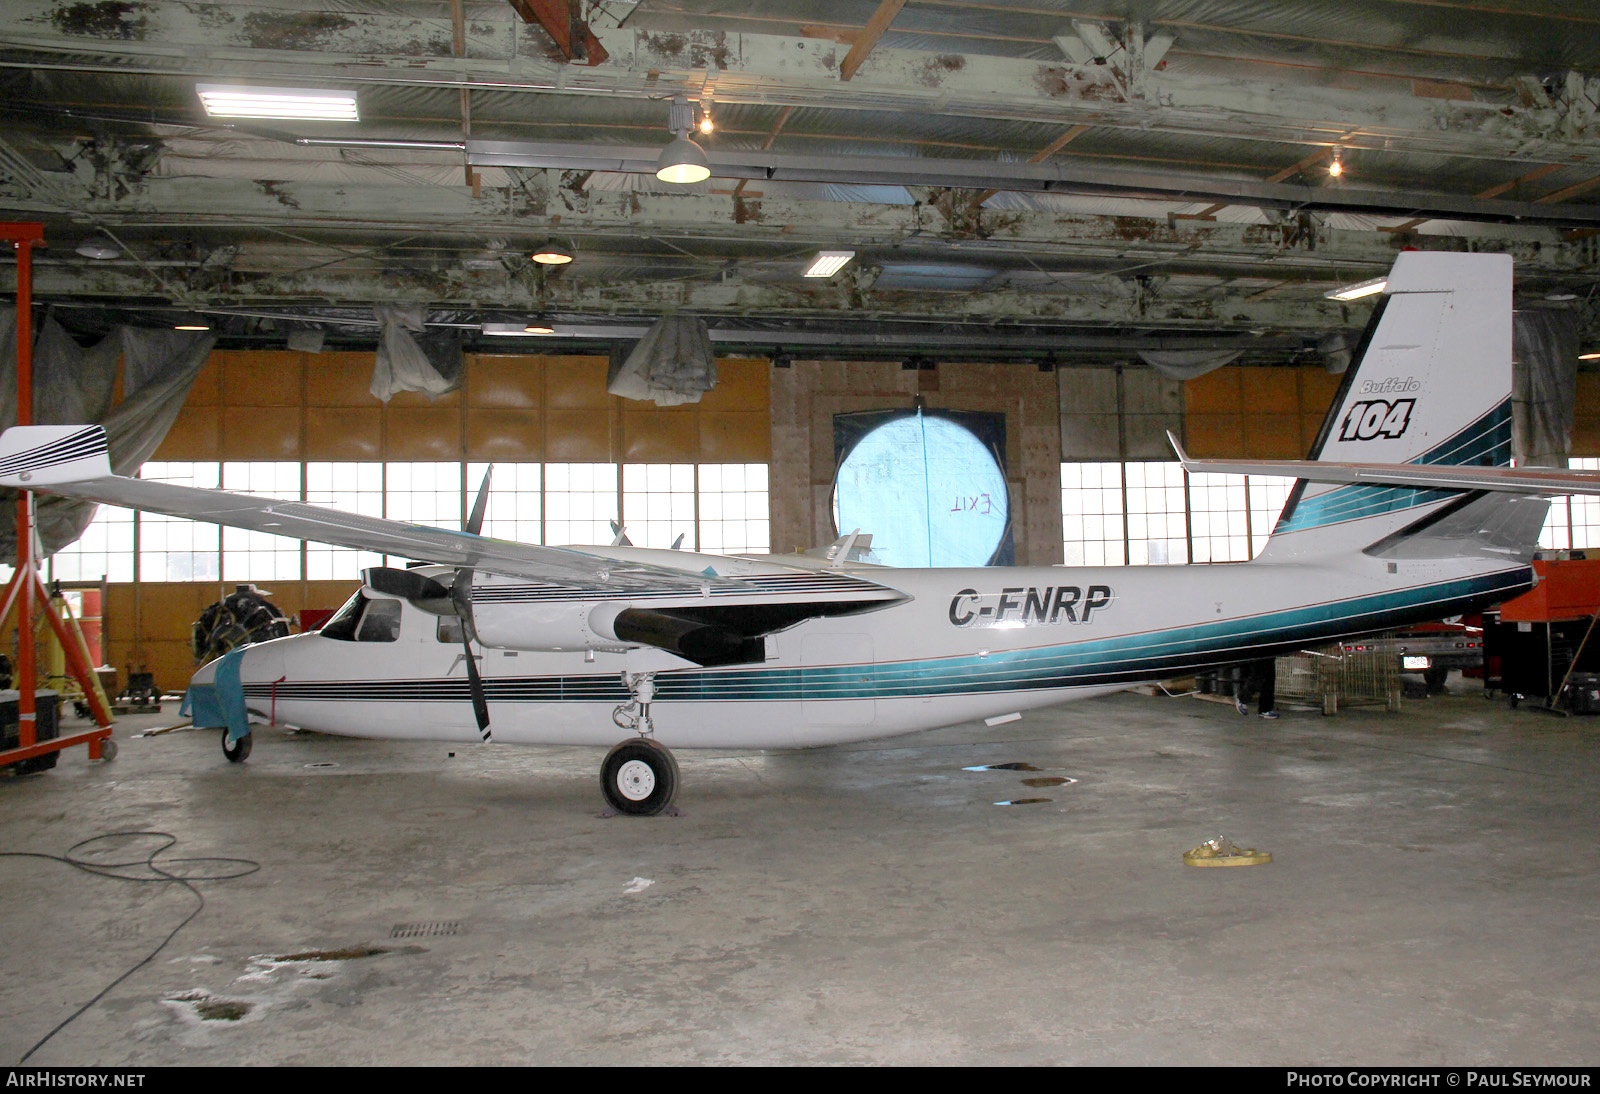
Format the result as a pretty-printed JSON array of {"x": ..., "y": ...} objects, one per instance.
[
  {"x": 47, "y": 455},
  {"x": 1548, "y": 481}
]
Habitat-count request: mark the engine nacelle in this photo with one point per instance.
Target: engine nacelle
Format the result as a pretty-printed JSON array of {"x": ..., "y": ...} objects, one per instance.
[
  {"x": 613, "y": 628},
  {"x": 555, "y": 626}
]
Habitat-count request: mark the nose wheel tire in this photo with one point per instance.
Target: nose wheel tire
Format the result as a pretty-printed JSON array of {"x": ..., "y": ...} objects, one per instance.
[
  {"x": 236, "y": 751},
  {"x": 639, "y": 777}
]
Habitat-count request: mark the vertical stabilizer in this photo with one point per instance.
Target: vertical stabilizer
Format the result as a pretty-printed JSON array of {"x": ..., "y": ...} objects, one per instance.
[{"x": 1430, "y": 384}]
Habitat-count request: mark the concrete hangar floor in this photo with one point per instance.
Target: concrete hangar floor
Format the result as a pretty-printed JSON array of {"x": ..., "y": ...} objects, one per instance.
[{"x": 1434, "y": 898}]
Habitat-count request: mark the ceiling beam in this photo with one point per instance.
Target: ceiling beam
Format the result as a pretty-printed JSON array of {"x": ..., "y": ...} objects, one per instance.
[
  {"x": 1104, "y": 303},
  {"x": 1056, "y": 178},
  {"x": 869, "y": 36},
  {"x": 563, "y": 21},
  {"x": 274, "y": 45}
]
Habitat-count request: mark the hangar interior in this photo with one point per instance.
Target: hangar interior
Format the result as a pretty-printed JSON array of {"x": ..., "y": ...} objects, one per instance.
[{"x": 1054, "y": 212}]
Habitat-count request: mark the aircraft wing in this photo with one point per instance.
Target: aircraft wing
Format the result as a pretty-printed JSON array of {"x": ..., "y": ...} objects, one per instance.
[
  {"x": 72, "y": 461},
  {"x": 1550, "y": 481}
]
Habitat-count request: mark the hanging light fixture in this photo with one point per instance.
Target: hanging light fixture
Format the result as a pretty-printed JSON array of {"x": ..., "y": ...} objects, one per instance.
[
  {"x": 1336, "y": 168},
  {"x": 99, "y": 247},
  {"x": 682, "y": 161},
  {"x": 553, "y": 252}
]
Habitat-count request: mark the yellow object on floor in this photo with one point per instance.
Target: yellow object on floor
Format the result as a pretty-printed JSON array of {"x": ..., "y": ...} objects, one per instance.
[{"x": 1221, "y": 852}]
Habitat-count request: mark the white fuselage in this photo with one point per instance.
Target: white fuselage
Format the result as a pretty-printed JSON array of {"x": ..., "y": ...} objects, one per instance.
[{"x": 967, "y": 644}]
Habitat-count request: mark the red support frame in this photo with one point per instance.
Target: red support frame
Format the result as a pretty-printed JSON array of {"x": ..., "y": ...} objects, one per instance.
[{"x": 25, "y": 584}]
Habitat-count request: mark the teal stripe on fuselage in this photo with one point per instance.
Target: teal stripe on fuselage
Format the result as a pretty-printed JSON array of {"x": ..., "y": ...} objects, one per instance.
[
  {"x": 1082, "y": 664},
  {"x": 1485, "y": 443}
]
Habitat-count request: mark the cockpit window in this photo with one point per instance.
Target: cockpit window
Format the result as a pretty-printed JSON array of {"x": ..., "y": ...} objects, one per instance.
[
  {"x": 363, "y": 619},
  {"x": 380, "y": 622},
  {"x": 342, "y": 624}
]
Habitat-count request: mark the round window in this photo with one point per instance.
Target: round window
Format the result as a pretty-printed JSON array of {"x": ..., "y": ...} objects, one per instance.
[{"x": 927, "y": 489}]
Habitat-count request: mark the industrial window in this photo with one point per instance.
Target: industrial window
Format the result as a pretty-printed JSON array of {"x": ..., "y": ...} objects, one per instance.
[
  {"x": 1158, "y": 531},
  {"x": 104, "y": 549},
  {"x": 351, "y": 488},
  {"x": 733, "y": 507},
  {"x": 928, "y": 486},
  {"x": 721, "y": 507},
  {"x": 1146, "y": 513},
  {"x": 580, "y": 502},
  {"x": 261, "y": 556},
  {"x": 1219, "y": 518},
  {"x": 174, "y": 549},
  {"x": 1574, "y": 521},
  {"x": 658, "y": 504},
  {"x": 516, "y": 500},
  {"x": 1093, "y": 529},
  {"x": 424, "y": 493}
]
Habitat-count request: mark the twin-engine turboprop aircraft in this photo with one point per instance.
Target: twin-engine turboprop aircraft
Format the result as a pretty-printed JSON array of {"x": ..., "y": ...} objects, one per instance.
[{"x": 1406, "y": 512}]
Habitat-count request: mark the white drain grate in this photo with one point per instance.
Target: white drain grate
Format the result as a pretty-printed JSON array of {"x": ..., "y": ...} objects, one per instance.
[{"x": 426, "y": 930}]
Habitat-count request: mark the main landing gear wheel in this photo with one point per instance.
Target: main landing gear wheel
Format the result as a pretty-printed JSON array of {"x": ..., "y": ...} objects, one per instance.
[
  {"x": 236, "y": 751},
  {"x": 639, "y": 777}
]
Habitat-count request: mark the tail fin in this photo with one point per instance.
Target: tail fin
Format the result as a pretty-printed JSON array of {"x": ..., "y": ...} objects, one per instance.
[
  {"x": 39, "y": 456},
  {"x": 1430, "y": 384}
]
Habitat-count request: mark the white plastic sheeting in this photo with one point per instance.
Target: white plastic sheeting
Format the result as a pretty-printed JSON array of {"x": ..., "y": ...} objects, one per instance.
[
  {"x": 431, "y": 365},
  {"x": 1544, "y": 385},
  {"x": 672, "y": 364},
  {"x": 74, "y": 384},
  {"x": 1186, "y": 364}
]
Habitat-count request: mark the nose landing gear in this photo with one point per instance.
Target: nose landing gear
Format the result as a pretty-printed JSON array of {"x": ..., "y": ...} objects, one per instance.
[{"x": 639, "y": 776}]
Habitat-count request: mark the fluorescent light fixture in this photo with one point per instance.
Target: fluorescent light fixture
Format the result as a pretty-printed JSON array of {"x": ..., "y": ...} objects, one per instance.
[
  {"x": 1359, "y": 289},
  {"x": 683, "y": 161},
  {"x": 552, "y": 253},
  {"x": 525, "y": 329},
  {"x": 828, "y": 263},
  {"x": 1589, "y": 356},
  {"x": 299, "y": 103},
  {"x": 191, "y": 322}
]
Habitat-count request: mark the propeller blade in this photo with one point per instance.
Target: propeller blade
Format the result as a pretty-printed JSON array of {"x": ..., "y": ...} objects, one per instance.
[
  {"x": 406, "y": 584},
  {"x": 480, "y": 703},
  {"x": 461, "y": 597},
  {"x": 480, "y": 505}
]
